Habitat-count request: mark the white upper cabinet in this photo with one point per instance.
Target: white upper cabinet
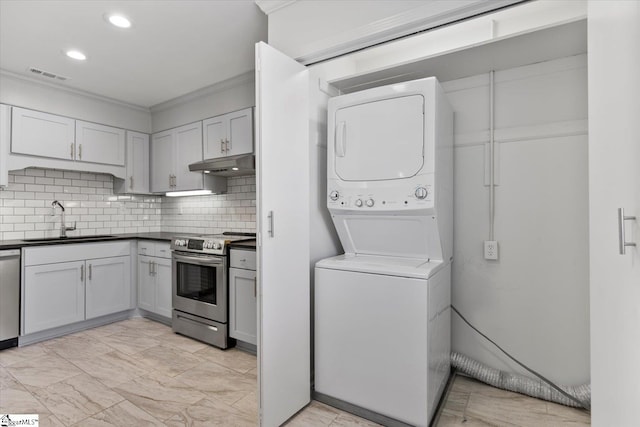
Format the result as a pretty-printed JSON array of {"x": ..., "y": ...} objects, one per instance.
[
  {"x": 172, "y": 151},
  {"x": 42, "y": 134},
  {"x": 99, "y": 144},
  {"x": 5, "y": 138},
  {"x": 137, "y": 163},
  {"x": 56, "y": 137},
  {"x": 228, "y": 134},
  {"x": 188, "y": 150},
  {"x": 215, "y": 133},
  {"x": 162, "y": 161}
]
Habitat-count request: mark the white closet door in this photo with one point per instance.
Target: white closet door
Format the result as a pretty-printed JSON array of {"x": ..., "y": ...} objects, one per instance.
[
  {"x": 614, "y": 182},
  {"x": 282, "y": 175}
]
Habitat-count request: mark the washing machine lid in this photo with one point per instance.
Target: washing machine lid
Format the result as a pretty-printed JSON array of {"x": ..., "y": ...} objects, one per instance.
[
  {"x": 390, "y": 266},
  {"x": 381, "y": 139}
]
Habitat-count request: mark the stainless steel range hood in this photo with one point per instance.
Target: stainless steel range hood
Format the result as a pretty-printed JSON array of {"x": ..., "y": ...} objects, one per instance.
[{"x": 241, "y": 164}]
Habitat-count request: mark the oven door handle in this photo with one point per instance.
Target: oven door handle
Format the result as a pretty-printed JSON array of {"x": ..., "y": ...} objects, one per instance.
[{"x": 197, "y": 260}]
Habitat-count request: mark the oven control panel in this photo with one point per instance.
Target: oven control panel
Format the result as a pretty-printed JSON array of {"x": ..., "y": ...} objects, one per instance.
[{"x": 199, "y": 245}]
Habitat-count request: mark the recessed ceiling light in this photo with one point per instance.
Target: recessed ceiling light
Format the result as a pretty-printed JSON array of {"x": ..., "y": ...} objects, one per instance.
[
  {"x": 76, "y": 54},
  {"x": 119, "y": 21}
]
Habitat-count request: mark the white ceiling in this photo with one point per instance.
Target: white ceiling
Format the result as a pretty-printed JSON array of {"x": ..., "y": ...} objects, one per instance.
[{"x": 173, "y": 47}]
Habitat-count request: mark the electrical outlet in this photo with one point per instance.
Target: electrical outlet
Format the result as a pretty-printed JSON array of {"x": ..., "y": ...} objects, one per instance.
[{"x": 491, "y": 249}]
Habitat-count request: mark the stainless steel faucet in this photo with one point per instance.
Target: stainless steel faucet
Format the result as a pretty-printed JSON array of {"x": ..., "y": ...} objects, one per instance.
[{"x": 63, "y": 227}]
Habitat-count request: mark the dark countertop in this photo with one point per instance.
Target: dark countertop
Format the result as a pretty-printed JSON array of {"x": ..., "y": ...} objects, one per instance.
[
  {"x": 248, "y": 244},
  {"x": 160, "y": 236}
]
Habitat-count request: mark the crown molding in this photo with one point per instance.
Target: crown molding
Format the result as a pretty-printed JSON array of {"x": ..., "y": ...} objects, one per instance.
[
  {"x": 238, "y": 80},
  {"x": 270, "y": 6},
  {"x": 78, "y": 92}
]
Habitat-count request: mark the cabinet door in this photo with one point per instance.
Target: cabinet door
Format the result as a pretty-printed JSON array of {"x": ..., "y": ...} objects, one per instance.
[
  {"x": 108, "y": 286},
  {"x": 99, "y": 144},
  {"x": 5, "y": 138},
  {"x": 240, "y": 132},
  {"x": 146, "y": 283},
  {"x": 188, "y": 150},
  {"x": 162, "y": 273},
  {"x": 282, "y": 137},
  {"x": 42, "y": 134},
  {"x": 162, "y": 161},
  {"x": 53, "y": 295},
  {"x": 215, "y": 134},
  {"x": 242, "y": 305},
  {"x": 137, "y": 163}
]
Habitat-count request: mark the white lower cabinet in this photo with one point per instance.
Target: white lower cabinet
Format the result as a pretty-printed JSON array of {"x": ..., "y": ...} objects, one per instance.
[
  {"x": 154, "y": 278},
  {"x": 64, "y": 284},
  {"x": 53, "y": 295},
  {"x": 243, "y": 321},
  {"x": 108, "y": 286}
]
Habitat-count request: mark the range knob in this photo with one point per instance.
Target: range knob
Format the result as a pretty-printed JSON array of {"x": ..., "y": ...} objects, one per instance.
[
  {"x": 370, "y": 203},
  {"x": 421, "y": 193},
  {"x": 217, "y": 245},
  {"x": 334, "y": 195},
  {"x": 359, "y": 203}
]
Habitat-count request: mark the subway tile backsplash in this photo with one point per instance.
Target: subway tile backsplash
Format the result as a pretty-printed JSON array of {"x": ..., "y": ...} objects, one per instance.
[
  {"x": 234, "y": 211},
  {"x": 26, "y": 211}
]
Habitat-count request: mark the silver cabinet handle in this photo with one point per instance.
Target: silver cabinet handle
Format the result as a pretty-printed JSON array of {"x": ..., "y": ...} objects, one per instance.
[
  {"x": 150, "y": 269},
  {"x": 90, "y": 270},
  {"x": 621, "y": 235},
  {"x": 130, "y": 183},
  {"x": 72, "y": 145},
  {"x": 221, "y": 145},
  {"x": 228, "y": 145},
  {"x": 154, "y": 268},
  {"x": 82, "y": 273},
  {"x": 80, "y": 151},
  {"x": 270, "y": 229}
]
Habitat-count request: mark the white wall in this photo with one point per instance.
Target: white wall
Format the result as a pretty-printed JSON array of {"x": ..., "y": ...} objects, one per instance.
[
  {"x": 231, "y": 95},
  {"x": 315, "y": 30},
  {"x": 534, "y": 300},
  {"x": 42, "y": 96}
]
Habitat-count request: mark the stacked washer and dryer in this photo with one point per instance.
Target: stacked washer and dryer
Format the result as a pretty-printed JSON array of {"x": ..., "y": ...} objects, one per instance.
[{"x": 382, "y": 310}]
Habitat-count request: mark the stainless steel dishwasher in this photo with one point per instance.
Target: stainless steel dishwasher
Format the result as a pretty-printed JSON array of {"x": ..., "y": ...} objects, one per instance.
[{"x": 9, "y": 298}]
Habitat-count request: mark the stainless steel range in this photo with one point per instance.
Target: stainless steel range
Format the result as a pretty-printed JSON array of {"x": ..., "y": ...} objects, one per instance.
[{"x": 200, "y": 286}]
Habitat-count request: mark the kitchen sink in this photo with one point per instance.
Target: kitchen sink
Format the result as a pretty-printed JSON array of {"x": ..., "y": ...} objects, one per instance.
[{"x": 68, "y": 238}]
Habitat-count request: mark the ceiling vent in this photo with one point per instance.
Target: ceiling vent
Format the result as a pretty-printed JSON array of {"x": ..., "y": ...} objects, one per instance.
[{"x": 48, "y": 74}]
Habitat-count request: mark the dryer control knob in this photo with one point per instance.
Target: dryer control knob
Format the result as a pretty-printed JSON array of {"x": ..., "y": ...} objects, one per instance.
[
  {"x": 359, "y": 203},
  {"x": 421, "y": 193},
  {"x": 334, "y": 195},
  {"x": 370, "y": 203}
]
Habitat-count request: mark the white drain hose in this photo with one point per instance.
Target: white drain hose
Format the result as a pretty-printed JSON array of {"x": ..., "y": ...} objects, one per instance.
[{"x": 522, "y": 384}]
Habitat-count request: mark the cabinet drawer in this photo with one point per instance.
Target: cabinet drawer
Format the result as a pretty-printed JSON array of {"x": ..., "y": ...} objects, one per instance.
[
  {"x": 157, "y": 249},
  {"x": 74, "y": 251},
  {"x": 243, "y": 259},
  {"x": 146, "y": 248},
  {"x": 163, "y": 250}
]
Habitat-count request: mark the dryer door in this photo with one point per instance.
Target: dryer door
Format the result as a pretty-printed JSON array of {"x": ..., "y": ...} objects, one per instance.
[{"x": 380, "y": 140}]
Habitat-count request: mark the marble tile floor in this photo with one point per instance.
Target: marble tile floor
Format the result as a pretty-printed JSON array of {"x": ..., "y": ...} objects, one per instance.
[{"x": 139, "y": 373}]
